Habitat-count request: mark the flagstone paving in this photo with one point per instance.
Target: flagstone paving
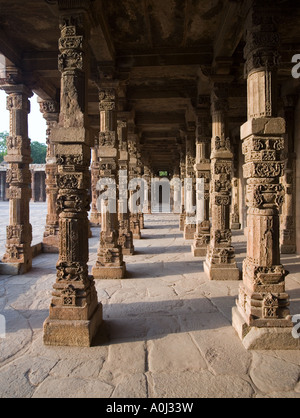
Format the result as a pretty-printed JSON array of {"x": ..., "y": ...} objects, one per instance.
[{"x": 167, "y": 330}]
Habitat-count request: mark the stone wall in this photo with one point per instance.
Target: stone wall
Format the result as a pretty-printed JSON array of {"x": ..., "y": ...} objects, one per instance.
[{"x": 297, "y": 197}]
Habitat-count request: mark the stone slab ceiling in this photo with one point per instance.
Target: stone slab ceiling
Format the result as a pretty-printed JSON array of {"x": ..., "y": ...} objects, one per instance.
[{"x": 157, "y": 47}]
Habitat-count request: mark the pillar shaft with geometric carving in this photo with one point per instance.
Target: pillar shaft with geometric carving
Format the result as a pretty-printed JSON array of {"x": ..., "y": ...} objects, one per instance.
[
  {"x": 202, "y": 168},
  {"x": 110, "y": 264},
  {"x": 95, "y": 216},
  {"x": 135, "y": 225},
  {"x": 262, "y": 315},
  {"x": 50, "y": 111},
  {"x": 182, "y": 178},
  {"x": 220, "y": 261},
  {"x": 75, "y": 314},
  {"x": 125, "y": 234},
  {"x": 18, "y": 256},
  {"x": 288, "y": 214},
  {"x": 190, "y": 183}
]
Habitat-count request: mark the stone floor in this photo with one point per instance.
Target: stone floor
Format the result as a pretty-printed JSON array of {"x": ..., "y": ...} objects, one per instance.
[{"x": 167, "y": 330}]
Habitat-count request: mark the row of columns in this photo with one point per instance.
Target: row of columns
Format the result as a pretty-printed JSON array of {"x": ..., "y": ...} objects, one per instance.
[{"x": 261, "y": 317}]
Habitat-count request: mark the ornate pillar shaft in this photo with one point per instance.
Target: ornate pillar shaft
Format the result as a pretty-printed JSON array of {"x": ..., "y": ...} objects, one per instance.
[
  {"x": 182, "y": 178},
  {"x": 19, "y": 231},
  {"x": 110, "y": 264},
  {"x": 95, "y": 217},
  {"x": 262, "y": 314},
  {"x": 125, "y": 234},
  {"x": 288, "y": 215},
  {"x": 220, "y": 261},
  {"x": 135, "y": 225},
  {"x": 202, "y": 169},
  {"x": 75, "y": 314},
  {"x": 190, "y": 184},
  {"x": 50, "y": 111}
]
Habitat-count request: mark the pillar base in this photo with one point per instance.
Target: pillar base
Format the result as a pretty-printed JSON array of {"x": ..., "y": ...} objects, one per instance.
[
  {"x": 14, "y": 269},
  {"x": 72, "y": 333},
  {"x": 109, "y": 273},
  {"x": 50, "y": 244},
  {"x": 254, "y": 338},
  {"x": 189, "y": 232},
  {"x": 137, "y": 236},
  {"x": 128, "y": 251},
  {"x": 222, "y": 272},
  {"x": 199, "y": 251},
  {"x": 95, "y": 220},
  {"x": 288, "y": 249},
  {"x": 235, "y": 227}
]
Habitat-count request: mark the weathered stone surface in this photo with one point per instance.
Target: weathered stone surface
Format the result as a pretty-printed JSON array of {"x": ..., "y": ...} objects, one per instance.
[
  {"x": 131, "y": 387},
  {"x": 270, "y": 374},
  {"x": 201, "y": 384},
  {"x": 176, "y": 351}
]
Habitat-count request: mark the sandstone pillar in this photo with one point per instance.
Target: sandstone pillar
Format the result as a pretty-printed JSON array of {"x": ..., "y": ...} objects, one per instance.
[
  {"x": 190, "y": 184},
  {"x": 182, "y": 178},
  {"x": 288, "y": 215},
  {"x": 95, "y": 216},
  {"x": 75, "y": 314},
  {"x": 18, "y": 256},
  {"x": 235, "y": 213},
  {"x": 135, "y": 225},
  {"x": 110, "y": 264},
  {"x": 125, "y": 234},
  {"x": 202, "y": 169},
  {"x": 50, "y": 111},
  {"x": 262, "y": 315},
  {"x": 220, "y": 262}
]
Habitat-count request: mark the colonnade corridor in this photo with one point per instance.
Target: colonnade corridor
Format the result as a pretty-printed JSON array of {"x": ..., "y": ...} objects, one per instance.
[{"x": 166, "y": 333}]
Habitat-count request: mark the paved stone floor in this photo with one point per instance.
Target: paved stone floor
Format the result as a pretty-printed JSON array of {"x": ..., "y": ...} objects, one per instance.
[{"x": 167, "y": 330}]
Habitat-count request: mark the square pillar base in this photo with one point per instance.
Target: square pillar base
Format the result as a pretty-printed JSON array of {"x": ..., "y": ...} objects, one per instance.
[
  {"x": 137, "y": 236},
  {"x": 14, "y": 269},
  {"x": 128, "y": 251},
  {"x": 222, "y": 272},
  {"x": 235, "y": 227},
  {"x": 254, "y": 338},
  {"x": 72, "y": 333},
  {"x": 109, "y": 273},
  {"x": 199, "y": 251}
]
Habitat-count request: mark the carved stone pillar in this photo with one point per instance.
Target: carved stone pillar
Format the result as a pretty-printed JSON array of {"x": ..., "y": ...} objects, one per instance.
[
  {"x": 147, "y": 196},
  {"x": 75, "y": 314},
  {"x": 262, "y": 315},
  {"x": 135, "y": 225},
  {"x": 235, "y": 213},
  {"x": 220, "y": 261},
  {"x": 18, "y": 256},
  {"x": 50, "y": 111},
  {"x": 190, "y": 184},
  {"x": 202, "y": 169},
  {"x": 95, "y": 216},
  {"x": 182, "y": 178},
  {"x": 288, "y": 214},
  {"x": 125, "y": 234},
  {"x": 110, "y": 264}
]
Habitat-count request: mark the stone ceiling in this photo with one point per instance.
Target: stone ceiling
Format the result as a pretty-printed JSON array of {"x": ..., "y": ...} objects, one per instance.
[{"x": 163, "y": 50}]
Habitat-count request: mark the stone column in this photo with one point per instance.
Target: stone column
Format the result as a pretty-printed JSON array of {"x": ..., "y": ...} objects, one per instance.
[
  {"x": 95, "y": 217},
  {"x": 262, "y": 315},
  {"x": 220, "y": 261},
  {"x": 135, "y": 225},
  {"x": 190, "y": 187},
  {"x": 125, "y": 234},
  {"x": 18, "y": 256},
  {"x": 50, "y": 111},
  {"x": 288, "y": 214},
  {"x": 147, "y": 178},
  {"x": 182, "y": 177},
  {"x": 202, "y": 169},
  {"x": 75, "y": 314},
  {"x": 235, "y": 213},
  {"x": 33, "y": 185},
  {"x": 110, "y": 264}
]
